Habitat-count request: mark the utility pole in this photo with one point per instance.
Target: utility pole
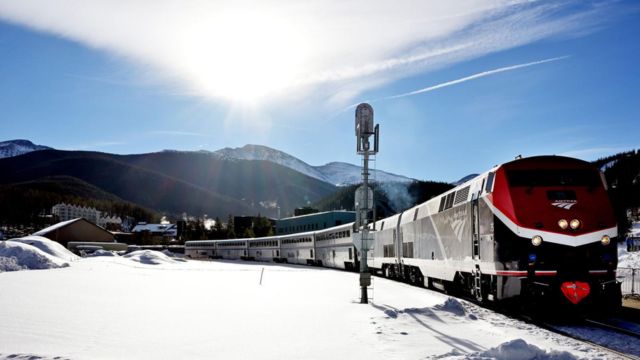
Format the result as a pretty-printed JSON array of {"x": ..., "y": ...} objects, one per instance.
[{"x": 364, "y": 195}]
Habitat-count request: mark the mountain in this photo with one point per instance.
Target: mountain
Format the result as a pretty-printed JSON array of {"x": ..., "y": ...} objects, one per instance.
[
  {"x": 18, "y": 147},
  {"x": 176, "y": 182},
  {"x": 336, "y": 173},
  {"x": 390, "y": 198},
  {"x": 24, "y": 202}
]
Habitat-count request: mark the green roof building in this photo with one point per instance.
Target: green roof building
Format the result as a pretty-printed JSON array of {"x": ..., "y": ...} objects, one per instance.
[{"x": 313, "y": 222}]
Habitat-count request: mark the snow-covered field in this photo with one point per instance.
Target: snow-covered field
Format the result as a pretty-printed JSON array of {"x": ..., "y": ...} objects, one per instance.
[{"x": 149, "y": 305}]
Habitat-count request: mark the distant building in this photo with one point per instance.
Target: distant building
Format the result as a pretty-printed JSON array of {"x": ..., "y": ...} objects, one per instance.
[
  {"x": 110, "y": 222},
  {"x": 66, "y": 212},
  {"x": 79, "y": 229},
  {"x": 312, "y": 222},
  {"x": 155, "y": 234}
]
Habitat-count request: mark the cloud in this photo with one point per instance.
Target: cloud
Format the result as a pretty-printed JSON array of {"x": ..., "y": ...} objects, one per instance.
[
  {"x": 472, "y": 77},
  {"x": 241, "y": 50}
]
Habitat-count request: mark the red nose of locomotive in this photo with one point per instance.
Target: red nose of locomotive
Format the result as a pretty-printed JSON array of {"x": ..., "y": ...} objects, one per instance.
[
  {"x": 559, "y": 210},
  {"x": 563, "y": 198}
]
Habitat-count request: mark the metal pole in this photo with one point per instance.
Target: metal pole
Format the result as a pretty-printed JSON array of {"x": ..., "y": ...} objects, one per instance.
[
  {"x": 365, "y": 128},
  {"x": 365, "y": 277}
]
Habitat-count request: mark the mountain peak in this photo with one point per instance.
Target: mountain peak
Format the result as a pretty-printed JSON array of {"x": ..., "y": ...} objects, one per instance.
[
  {"x": 336, "y": 173},
  {"x": 17, "y": 147}
]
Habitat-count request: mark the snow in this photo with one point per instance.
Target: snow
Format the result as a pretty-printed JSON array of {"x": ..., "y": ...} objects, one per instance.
[
  {"x": 628, "y": 259},
  {"x": 50, "y": 247},
  {"x": 151, "y": 257},
  {"x": 635, "y": 229},
  {"x": 18, "y": 147},
  {"x": 149, "y": 305},
  {"x": 15, "y": 255}
]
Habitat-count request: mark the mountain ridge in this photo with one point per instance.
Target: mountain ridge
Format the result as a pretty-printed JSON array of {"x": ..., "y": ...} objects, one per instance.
[
  {"x": 11, "y": 148},
  {"x": 335, "y": 173}
]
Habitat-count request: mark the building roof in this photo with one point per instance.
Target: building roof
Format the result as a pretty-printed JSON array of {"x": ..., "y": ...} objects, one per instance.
[
  {"x": 55, "y": 227},
  {"x": 319, "y": 214},
  {"x": 168, "y": 229},
  {"x": 78, "y": 229}
]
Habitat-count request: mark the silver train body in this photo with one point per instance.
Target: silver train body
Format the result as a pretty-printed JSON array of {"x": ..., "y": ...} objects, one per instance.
[{"x": 333, "y": 247}]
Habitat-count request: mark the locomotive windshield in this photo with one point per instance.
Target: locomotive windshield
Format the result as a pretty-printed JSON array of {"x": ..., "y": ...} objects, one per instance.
[{"x": 554, "y": 177}]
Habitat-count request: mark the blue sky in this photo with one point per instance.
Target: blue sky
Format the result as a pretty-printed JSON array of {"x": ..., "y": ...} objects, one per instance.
[{"x": 507, "y": 78}]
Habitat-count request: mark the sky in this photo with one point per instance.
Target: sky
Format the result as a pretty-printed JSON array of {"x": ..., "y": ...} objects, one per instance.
[{"x": 456, "y": 87}]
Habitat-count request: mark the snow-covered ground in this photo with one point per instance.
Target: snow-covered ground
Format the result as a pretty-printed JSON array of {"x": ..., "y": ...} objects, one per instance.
[{"x": 149, "y": 305}]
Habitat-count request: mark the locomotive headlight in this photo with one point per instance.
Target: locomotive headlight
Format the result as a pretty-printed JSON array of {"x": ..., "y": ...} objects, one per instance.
[
  {"x": 564, "y": 224},
  {"x": 575, "y": 224},
  {"x": 606, "y": 240},
  {"x": 536, "y": 240}
]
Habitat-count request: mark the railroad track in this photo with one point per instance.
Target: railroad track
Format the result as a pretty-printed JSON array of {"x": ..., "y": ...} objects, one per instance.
[
  {"x": 617, "y": 326},
  {"x": 593, "y": 332}
]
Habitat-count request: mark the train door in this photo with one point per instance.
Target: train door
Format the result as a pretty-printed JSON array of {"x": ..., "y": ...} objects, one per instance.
[{"x": 475, "y": 228}]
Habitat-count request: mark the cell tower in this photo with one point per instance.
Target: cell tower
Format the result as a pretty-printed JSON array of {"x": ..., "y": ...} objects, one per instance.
[{"x": 364, "y": 195}]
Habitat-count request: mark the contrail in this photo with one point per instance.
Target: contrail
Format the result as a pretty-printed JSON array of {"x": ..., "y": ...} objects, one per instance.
[
  {"x": 472, "y": 77},
  {"x": 454, "y": 82}
]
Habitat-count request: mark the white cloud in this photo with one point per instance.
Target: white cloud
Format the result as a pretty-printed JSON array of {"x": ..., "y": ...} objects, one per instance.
[{"x": 275, "y": 49}]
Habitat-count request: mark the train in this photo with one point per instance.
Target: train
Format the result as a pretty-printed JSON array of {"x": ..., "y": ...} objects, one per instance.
[{"x": 533, "y": 230}]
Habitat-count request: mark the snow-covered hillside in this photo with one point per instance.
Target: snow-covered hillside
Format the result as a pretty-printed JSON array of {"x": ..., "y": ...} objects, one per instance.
[
  {"x": 18, "y": 147},
  {"x": 337, "y": 173}
]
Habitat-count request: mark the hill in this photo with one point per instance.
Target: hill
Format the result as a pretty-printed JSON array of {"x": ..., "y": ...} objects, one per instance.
[
  {"x": 622, "y": 172},
  {"x": 24, "y": 202},
  {"x": 176, "y": 182},
  {"x": 389, "y": 198},
  {"x": 336, "y": 173}
]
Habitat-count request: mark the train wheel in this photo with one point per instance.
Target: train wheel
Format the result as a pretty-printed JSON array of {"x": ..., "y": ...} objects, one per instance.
[{"x": 387, "y": 272}]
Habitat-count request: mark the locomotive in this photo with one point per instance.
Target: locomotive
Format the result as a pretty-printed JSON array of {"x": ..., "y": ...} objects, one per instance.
[{"x": 535, "y": 230}]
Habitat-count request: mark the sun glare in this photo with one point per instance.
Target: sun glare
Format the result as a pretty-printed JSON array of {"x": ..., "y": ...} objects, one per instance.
[{"x": 247, "y": 57}]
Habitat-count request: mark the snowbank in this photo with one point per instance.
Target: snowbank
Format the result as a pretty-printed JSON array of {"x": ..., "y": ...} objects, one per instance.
[
  {"x": 16, "y": 255},
  {"x": 101, "y": 252},
  {"x": 628, "y": 259},
  {"x": 635, "y": 229},
  {"x": 151, "y": 257},
  {"x": 48, "y": 246},
  {"x": 518, "y": 349}
]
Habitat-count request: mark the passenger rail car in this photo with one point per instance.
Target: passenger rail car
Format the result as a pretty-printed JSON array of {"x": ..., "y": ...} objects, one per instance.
[{"x": 533, "y": 229}]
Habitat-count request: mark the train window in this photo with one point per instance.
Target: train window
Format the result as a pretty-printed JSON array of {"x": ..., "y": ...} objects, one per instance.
[
  {"x": 449, "y": 202},
  {"x": 382, "y": 226},
  {"x": 311, "y": 253},
  {"x": 350, "y": 253},
  {"x": 442, "y": 201},
  {"x": 489, "y": 187},
  {"x": 561, "y": 195},
  {"x": 415, "y": 215},
  {"x": 554, "y": 177}
]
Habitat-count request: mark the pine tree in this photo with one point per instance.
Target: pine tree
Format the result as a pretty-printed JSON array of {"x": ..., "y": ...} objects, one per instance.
[{"x": 231, "y": 233}]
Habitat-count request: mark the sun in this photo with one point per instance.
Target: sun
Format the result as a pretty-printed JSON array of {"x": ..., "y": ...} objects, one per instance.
[{"x": 246, "y": 56}]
